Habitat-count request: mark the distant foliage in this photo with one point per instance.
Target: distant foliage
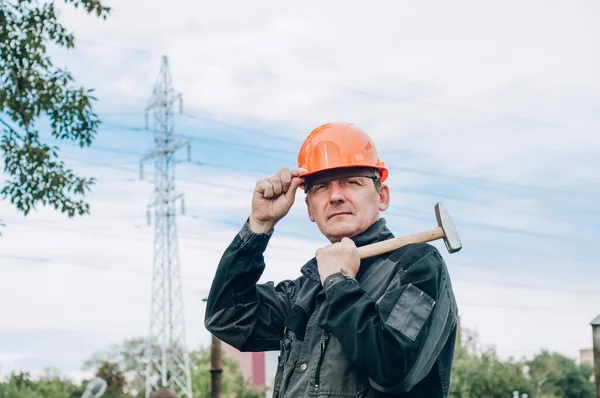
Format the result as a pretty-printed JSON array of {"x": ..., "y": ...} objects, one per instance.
[
  {"x": 478, "y": 372},
  {"x": 130, "y": 356}
]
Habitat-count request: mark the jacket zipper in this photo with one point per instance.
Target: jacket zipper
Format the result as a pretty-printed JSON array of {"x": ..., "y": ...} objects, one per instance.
[{"x": 324, "y": 344}]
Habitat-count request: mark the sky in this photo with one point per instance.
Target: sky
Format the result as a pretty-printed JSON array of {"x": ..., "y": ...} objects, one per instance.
[{"x": 491, "y": 108}]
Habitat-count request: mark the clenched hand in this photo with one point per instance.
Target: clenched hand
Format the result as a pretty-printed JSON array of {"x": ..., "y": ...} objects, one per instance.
[
  {"x": 273, "y": 198},
  {"x": 332, "y": 258}
]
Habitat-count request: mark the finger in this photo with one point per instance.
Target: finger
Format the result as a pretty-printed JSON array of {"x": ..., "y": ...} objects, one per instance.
[
  {"x": 348, "y": 242},
  {"x": 265, "y": 188},
  {"x": 286, "y": 178},
  {"x": 276, "y": 184},
  {"x": 296, "y": 181},
  {"x": 260, "y": 186},
  {"x": 323, "y": 249},
  {"x": 297, "y": 171}
]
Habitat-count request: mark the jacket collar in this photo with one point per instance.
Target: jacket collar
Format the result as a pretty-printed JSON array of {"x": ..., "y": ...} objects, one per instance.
[{"x": 375, "y": 233}]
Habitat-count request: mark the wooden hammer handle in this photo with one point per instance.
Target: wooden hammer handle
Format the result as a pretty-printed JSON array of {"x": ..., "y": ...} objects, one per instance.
[{"x": 392, "y": 244}]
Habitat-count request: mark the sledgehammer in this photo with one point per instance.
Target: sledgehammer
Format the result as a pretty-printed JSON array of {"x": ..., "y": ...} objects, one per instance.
[{"x": 445, "y": 230}]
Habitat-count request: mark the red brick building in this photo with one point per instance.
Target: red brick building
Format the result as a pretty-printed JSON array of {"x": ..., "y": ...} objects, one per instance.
[{"x": 257, "y": 367}]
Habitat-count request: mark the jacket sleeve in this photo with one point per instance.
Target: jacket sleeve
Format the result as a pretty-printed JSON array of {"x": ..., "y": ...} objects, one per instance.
[
  {"x": 244, "y": 314},
  {"x": 397, "y": 339}
]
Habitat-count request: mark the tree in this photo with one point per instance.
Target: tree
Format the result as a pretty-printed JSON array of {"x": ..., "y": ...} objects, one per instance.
[
  {"x": 478, "y": 372},
  {"x": 115, "y": 380},
  {"x": 234, "y": 385},
  {"x": 130, "y": 356},
  {"x": 49, "y": 385},
  {"x": 555, "y": 375},
  {"x": 544, "y": 369},
  {"x": 35, "y": 95}
]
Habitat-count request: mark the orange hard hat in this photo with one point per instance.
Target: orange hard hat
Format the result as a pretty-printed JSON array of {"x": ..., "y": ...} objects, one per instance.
[{"x": 339, "y": 145}]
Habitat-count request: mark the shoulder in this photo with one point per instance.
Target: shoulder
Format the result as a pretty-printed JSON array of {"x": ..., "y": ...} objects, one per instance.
[
  {"x": 416, "y": 253},
  {"x": 421, "y": 264}
]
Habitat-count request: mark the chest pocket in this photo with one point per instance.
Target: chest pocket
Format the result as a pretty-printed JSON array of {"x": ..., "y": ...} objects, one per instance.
[{"x": 333, "y": 375}]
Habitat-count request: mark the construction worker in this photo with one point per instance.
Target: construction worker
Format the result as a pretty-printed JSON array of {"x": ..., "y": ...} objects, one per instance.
[{"x": 381, "y": 327}]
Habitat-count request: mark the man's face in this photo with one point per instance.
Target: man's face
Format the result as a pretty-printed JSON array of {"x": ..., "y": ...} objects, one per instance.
[{"x": 345, "y": 205}]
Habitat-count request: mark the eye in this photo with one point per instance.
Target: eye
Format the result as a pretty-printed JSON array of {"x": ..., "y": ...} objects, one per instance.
[
  {"x": 319, "y": 187},
  {"x": 351, "y": 181}
]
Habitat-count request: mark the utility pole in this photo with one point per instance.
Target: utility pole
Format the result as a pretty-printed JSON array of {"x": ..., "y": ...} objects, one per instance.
[
  {"x": 167, "y": 359},
  {"x": 216, "y": 368},
  {"x": 596, "y": 339}
]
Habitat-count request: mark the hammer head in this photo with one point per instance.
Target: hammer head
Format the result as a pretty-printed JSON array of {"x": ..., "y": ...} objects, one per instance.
[{"x": 451, "y": 238}]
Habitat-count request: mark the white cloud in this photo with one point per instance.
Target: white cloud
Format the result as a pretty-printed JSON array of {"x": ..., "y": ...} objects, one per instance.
[
  {"x": 523, "y": 314},
  {"x": 497, "y": 90},
  {"x": 10, "y": 360},
  {"x": 93, "y": 274},
  {"x": 504, "y": 91}
]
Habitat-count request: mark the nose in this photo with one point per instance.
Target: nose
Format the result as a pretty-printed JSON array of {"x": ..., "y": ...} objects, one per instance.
[{"x": 336, "y": 193}]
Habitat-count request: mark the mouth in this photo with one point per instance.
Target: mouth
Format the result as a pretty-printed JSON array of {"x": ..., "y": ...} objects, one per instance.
[{"x": 340, "y": 213}]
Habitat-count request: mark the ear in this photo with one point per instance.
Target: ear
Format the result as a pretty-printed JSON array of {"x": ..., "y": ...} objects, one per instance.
[
  {"x": 310, "y": 213},
  {"x": 384, "y": 197}
]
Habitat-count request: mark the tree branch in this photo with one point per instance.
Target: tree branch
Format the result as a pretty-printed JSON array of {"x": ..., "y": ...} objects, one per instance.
[{"x": 12, "y": 131}]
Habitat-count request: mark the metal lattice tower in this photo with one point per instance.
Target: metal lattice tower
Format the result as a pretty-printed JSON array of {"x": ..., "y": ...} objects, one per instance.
[{"x": 167, "y": 359}]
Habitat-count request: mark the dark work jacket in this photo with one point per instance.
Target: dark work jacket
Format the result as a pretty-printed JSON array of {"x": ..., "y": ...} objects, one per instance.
[{"x": 390, "y": 332}]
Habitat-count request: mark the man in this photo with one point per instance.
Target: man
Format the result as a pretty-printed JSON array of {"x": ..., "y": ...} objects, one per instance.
[{"x": 381, "y": 327}]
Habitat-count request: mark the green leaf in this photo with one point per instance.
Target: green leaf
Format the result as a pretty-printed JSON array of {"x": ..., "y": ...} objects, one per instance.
[{"x": 32, "y": 87}]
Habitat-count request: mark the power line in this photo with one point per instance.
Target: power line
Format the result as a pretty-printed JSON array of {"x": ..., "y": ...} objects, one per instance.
[
  {"x": 241, "y": 128},
  {"x": 460, "y": 302},
  {"x": 476, "y": 182},
  {"x": 110, "y": 232},
  {"x": 497, "y": 228},
  {"x": 235, "y": 145},
  {"x": 245, "y": 170},
  {"x": 473, "y": 181},
  {"x": 245, "y": 148},
  {"x": 367, "y": 92},
  {"x": 389, "y": 212},
  {"x": 588, "y": 290},
  {"x": 503, "y": 246},
  {"x": 476, "y": 225},
  {"x": 521, "y": 307},
  {"x": 98, "y": 267}
]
